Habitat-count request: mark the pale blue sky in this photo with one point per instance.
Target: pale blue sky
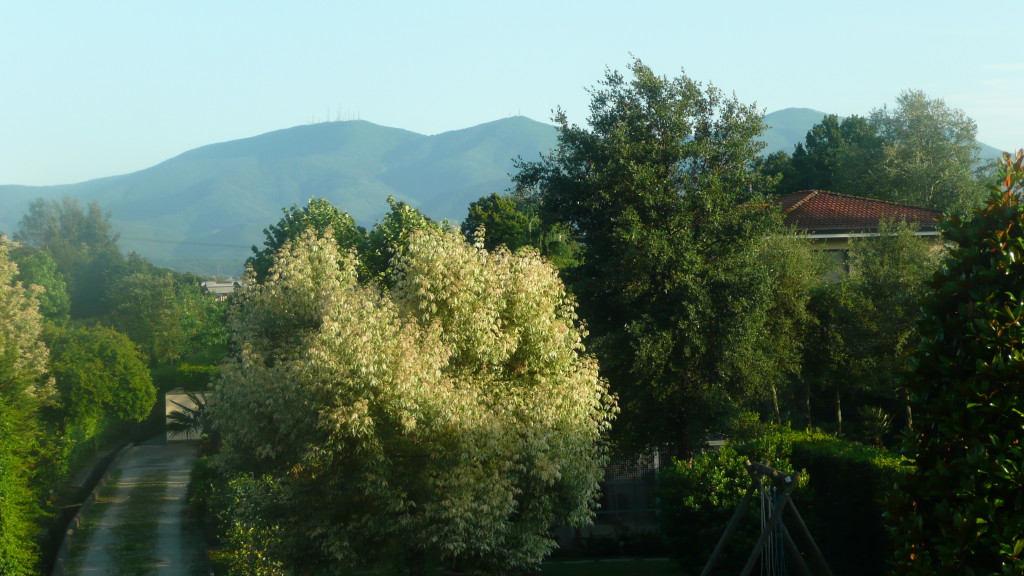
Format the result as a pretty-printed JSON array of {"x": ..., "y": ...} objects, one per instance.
[{"x": 92, "y": 89}]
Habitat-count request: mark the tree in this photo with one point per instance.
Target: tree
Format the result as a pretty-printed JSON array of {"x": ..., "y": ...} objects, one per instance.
[
  {"x": 824, "y": 160},
  {"x": 37, "y": 268},
  {"x": 672, "y": 279},
  {"x": 453, "y": 414},
  {"x": 101, "y": 378},
  {"x": 957, "y": 510},
  {"x": 867, "y": 321},
  {"x": 22, "y": 391},
  {"x": 501, "y": 218},
  {"x": 163, "y": 312},
  {"x": 318, "y": 214},
  {"x": 929, "y": 153},
  {"x": 514, "y": 221},
  {"x": 82, "y": 244}
]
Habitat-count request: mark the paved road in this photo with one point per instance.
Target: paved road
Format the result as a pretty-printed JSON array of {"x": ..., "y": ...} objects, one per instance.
[{"x": 152, "y": 477}]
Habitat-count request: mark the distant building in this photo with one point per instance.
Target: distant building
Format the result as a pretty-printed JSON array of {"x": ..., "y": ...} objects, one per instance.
[{"x": 220, "y": 289}]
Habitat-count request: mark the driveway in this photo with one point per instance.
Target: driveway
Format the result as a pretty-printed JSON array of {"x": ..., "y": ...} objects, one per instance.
[{"x": 137, "y": 524}]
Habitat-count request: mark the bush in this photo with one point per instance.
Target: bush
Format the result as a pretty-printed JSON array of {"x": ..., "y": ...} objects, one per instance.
[
  {"x": 700, "y": 495},
  {"x": 844, "y": 513},
  {"x": 195, "y": 378},
  {"x": 841, "y": 485},
  {"x": 960, "y": 509}
]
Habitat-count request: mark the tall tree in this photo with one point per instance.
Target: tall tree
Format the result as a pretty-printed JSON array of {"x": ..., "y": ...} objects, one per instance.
[
  {"x": 958, "y": 509},
  {"x": 926, "y": 155},
  {"x": 83, "y": 245},
  {"x": 930, "y": 152},
  {"x": 828, "y": 147},
  {"x": 22, "y": 390},
  {"x": 867, "y": 321},
  {"x": 452, "y": 415},
  {"x": 672, "y": 282}
]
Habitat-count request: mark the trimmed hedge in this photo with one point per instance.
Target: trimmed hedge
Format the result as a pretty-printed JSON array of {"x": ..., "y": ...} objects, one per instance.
[
  {"x": 839, "y": 497},
  {"x": 848, "y": 482}
]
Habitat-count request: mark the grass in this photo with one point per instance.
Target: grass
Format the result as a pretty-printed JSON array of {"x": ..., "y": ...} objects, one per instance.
[
  {"x": 599, "y": 567},
  {"x": 614, "y": 567}
]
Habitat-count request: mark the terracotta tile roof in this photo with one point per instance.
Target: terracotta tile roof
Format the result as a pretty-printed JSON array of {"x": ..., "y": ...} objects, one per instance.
[{"x": 821, "y": 212}]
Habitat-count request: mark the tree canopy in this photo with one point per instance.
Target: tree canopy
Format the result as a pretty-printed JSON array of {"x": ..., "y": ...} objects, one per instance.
[
  {"x": 22, "y": 391},
  {"x": 449, "y": 412},
  {"x": 958, "y": 509},
  {"x": 920, "y": 152},
  {"x": 673, "y": 279}
]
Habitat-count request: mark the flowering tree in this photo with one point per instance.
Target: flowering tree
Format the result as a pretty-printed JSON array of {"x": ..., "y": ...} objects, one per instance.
[
  {"x": 452, "y": 414},
  {"x": 22, "y": 388}
]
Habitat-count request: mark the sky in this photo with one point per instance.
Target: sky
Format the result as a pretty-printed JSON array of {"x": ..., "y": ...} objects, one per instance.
[{"x": 100, "y": 88}]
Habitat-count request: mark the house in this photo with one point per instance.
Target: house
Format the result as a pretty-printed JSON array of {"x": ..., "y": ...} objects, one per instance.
[{"x": 833, "y": 219}]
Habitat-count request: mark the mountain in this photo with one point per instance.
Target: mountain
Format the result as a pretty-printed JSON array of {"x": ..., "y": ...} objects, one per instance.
[
  {"x": 203, "y": 210},
  {"x": 788, "y": 127}
]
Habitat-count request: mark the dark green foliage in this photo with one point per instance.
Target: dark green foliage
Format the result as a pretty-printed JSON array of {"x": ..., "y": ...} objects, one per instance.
[
  {"x": 36, "y": 267},
  {"x": 673, "y": 280},
  {"x": 865, "y": 330},
  {"x": 504, "y": 222},
  {"x": 844, "y": 511},
  {"x": 700, "y": 495},
  {"x": 961, "y": 510},
  {"x": 824, "y": 160},
  {"x": 514, "y": 221}
]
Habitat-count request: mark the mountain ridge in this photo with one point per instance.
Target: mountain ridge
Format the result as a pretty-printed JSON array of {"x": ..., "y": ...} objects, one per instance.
[{"x": 203, "y": 209}]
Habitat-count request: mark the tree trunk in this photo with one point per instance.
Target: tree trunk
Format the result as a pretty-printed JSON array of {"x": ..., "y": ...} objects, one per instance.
[
  {"x": 807, "y": 408},
  {"x": 839, "y": 415},
  {"x": 775, "y": 405}
]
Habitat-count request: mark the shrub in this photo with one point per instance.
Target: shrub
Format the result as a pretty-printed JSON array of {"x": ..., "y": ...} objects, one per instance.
[
  {"x": 844, "y": 514},
  {"x": 700, "y": 495},
  {"x": 962, "y": 508}
]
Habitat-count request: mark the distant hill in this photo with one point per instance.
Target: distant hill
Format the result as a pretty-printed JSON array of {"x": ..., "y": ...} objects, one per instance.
[
  {"x": 203, "y": 210},
  {"x": 788, "y": 127}
]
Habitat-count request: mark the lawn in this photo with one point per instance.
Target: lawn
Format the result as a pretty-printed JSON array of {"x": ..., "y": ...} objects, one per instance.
[{"x": 614, "y": 567}]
